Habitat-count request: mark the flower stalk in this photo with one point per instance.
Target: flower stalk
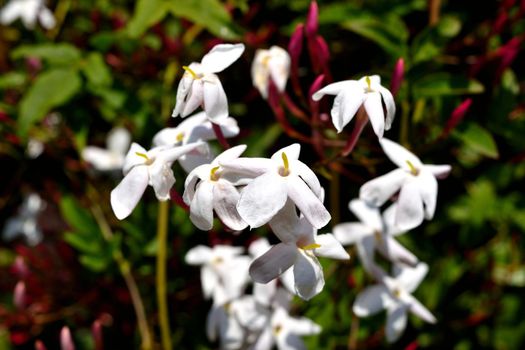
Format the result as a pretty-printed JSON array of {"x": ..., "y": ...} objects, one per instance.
[{"x": 161, "y": 280}]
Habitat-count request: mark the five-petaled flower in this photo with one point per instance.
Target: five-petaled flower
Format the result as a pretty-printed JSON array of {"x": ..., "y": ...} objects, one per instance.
[
  {"x": 364, "y": 94},
  {"x": 200, "y": 86},
  {"x": 111, "y": 158},
  {"x": 415, "y": 181},
  {"x": 271, "y": 64}
]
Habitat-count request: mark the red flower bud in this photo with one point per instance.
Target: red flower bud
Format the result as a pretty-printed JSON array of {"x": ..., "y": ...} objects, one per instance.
[{"x": 397, "y": 76}]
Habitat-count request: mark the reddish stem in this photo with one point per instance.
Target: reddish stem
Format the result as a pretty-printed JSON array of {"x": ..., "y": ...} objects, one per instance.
[
  {"x": 177, "y": 199},
  {"x": 361, "y": 121},
  {"x": 220, "y": 136}
]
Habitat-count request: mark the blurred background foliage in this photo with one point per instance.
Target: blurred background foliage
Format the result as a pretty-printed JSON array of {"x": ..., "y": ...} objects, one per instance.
[{"x": 117, "y": 63}]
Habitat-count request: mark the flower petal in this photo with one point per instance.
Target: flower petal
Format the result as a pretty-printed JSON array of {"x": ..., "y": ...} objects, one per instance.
[
  {"x": 308, "y": 275},
  {"x": 289, "y": 341},
  {"x": 194, "y": 98},
  {"x": 330, "y": 247},
  {"x": 304, "y": 172},
  {"x": 161, "y": 179},
  {"x": 198, "y": 255},
  {"x": 409, "y": 213},
  {"x": 209, "y": 281},
  {"x": 439, "y": 171},
  {"x": 410, "y": 277},
  {"x": 285, "y": 223},
  {"x": 366, "y": 213},
  {"x": 215, "y": 100},
  {"x": 279, "y": 66},
  {"x": 249, "y": 166},
  {"x": 377, "y": 191},
  {"x": 273, "y": 263},
  {"x": 46, "y": 18},
  {"x": 192, "y": 160},
  {"x": 302, "y": 326},
  {"x": 350, "y": 232},
  {"x": 391, "y": 249},
  {"x": 307, "y": 202},
  {"x": 428, "y": 189},
  {"x": 396, "y": 322},
  {"x": 374, "y": 110},
  {"x": 102, "y": 159},
  {"x": 132, "y": 158},
  {"x": 262, "y": 198},
  {"x": 265, "y": 341},
  {"x": 332, "y": 89},
  {"x": 346, "y": 105},
  {"x": 221, "y": 57},
  {"x": 126, "y": 195},
  {"x": 421, "y": 311},
  {"x": 390, "y": 106},
  {"x": 183, "y": 89},
  {"x": 201, "y": 208},
  {"x": 118, "y": 140},
  {"x": 371, "y": 300},
  {"x": 292, "y": 153},
  {"x": 229, "y": 154},
  {"x": 399, "y": 155},
  {"x": 225, "y": 199}
]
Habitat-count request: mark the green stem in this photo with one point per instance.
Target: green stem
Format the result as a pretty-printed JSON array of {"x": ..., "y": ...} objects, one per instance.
[
  {"x": 405, "y": 124},
  {"x": 162, "y": 238}
]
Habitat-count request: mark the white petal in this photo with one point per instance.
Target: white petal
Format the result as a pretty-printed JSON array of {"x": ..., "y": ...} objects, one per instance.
[
  {"x": 400, "y": 155},
  {"x": 428, "y": 188},
  {"x": 439, "y": 171},
  {"x": 262, "y": 199},
  {"x": 330, "y": 247},
  {"x": 292, "y": 153},
  {"x": 215, "y": 101},
  {"x": 350, "y": 232},
  {"x": 126, "y": 195},
  {"x": 265, "y": 340},
  {"x": 279, "y": 66},
  {"x": 162, "y": 179},
  {"x": 198, "y": 255},
  {"x": 273, "y": 263},
  {"x": 171, "y": 154},
  {"x": 213, "y": 320},
  {"x": 302, "y": 326},
  {"x": 285, "y": 223},
  {"x": 333, "y": 89},
  {"x": 304, "y": 172},
  {"x": 183, "y": 89},
  {"x": 308, "y": 275},
  {"x": 395, "y": 252},
  {"x": 374, "y": 110},
  {"x": 307, "y": 202},
  {"x": 409, "y": 213},
  {"x": 390, "y": 106},
  {"x": 230, "y": 154},
  {"x": 46, "y": 18},
  {"x": 288, "y": 281},
  {"x": 118, "y": 140},
  {"x": 249, "y": 166},
  {"x": 11, "y": 12},
  {"x": 225, "y": 199},
  {"x": 410, "y": 277},
  {"x": 346, "y": 105},
  {"x": 370, "y": 301},
  {"x": 258, "y": 247},
  {"x": 132, "y": 158},
  {"x": 396, "y": 322},
  {"x": 221, "y": 56},
  {"x": 201, "y": 172},
  {"x": 421, "y": 311},
  {"x": 192, "y": 160},
  {"x": 194, "y": 98},
  {"x": 264, "y": 293},
  {"x": 209, "y": 281},
  {"x": 102, "y": 159},
  {"x": 389, "y": 221},
  {"x": 366, "y": 213},
  {"x": 377, "y": 191},
  {"x": 289, "y": 341},
  {"x": 201, "y": 208}
]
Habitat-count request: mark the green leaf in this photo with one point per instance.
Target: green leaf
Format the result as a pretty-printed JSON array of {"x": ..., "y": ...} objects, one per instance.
[
  {"x": 94, "y": 263},
  {"x": 55, "y": 54},
  {"x": 96, "y": 70},
  {"x": 441, "y": 84},
  {"x": 479, "y": 140},
  {"x": 12, "y": 80},
  {"x": 83, "y": 243},
  {"x": 146, "y": 14},
  {"x": 77, "y": 217},
  {"x": 51, "y": 89}
]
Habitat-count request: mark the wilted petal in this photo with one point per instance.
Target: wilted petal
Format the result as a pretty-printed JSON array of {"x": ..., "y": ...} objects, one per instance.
[
  {"x": 221, "y": 57},
  {"x": 409, "y": 213},
  {"x": 307, "y": 202},
  {"x": 400, "y": 155},
  {"x": 225, "y": 199},
  {"x": 126, "y": 195},
  {"x": 215, "y": 100},
  {"x": 308, "y": 275},
  {"x": 396, "y": 322},
  {"x": 273, "y": 263},
  {"x": 201, "y": 208},
  {"x": 330, "y": 247},
  {"x": 377, "y": 191},
  {"x": 374, "y": 110},
  {"x": 371, "y": 300},
  {"x": 262, "y": 198}
]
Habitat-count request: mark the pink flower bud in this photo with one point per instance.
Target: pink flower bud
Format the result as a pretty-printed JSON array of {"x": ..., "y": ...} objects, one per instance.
[
  {"x": 316, "y": 85},
  {"x": 397, "y": 76},
  {"x": 19, "y": 268},
  {"x": 457, "y": 115},
  {"x": 312, "y": 20},
  {"x": 66, "y": 341},
  {"x": 96, "y": 331},
  {"x": 295, "y": 47},
  {"x": 19, "y": 295},
  {"x": 39, "y": 345}
]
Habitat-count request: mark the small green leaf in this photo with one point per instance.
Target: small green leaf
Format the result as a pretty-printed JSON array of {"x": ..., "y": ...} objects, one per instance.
[
  {"x": 441, "y": 84},
  {"x": 479, "y": 140},
  {"x": 96, "y": 70},
  {"x": 146, "y": 14},
  {"x": 55, "y": 54},
  {"x": 77, "y": 217},
  {"x": 83, "y": 243},
  {"x": 51, "y": 89},
  {"x": 12, "y": 80},
  {"x": 94, "y": 263}
]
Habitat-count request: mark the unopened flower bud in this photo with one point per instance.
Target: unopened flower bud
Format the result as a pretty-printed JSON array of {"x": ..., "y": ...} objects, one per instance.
[{"x": 66, "y": 341}]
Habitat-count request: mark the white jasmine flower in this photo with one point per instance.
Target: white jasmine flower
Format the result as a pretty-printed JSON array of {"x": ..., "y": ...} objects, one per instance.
[
  {"x": 300, "y": 245},
  {"x": 25, "y": 223},
  {"x": 222, "y": 325},
  {"x": 363, "y": 93},
  {"x": 277, "y": 179},
  {"x": 415, "y": 181},
  {"x": 200, "y": 86},
  {"x": 285, "y": 332},
  {"x": 270, "y": 64},
  {"x": 29, "y": 11},
  {"x": 143, "y": 167},
  {"x": 374, "y": 232},
  {"x": 192, "y": 129},
  {"x": 394, "y": 295},
  {"x": 224, "y": 271},
  {"x": 209, "y": 188},
  {"x": 112, "y": 157}
]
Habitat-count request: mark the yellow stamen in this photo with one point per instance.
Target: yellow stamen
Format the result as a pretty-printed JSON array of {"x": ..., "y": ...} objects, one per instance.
[
  {"x": 377, "y": 236},
  {"x": 286, "y": 169},
  {"x": 397, "y": 293},
  {"x": 311, "y": 246},
  {"x": 213, "y": 175},
  {"x": 189, "y": 70},
  {"x": 413, "y": 170},
  {"x": 277, "y": 329},
  {"x": 179, "y": 136},
  {"x": 142, "y": 155}
]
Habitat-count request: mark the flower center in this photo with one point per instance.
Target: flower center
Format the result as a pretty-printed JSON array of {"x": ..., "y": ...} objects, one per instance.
[
  {"x": 413, "y": 170},
  {"x": 311, "y": 246},
  {"x": 277, "y": 329},
  {"x": 368, "y": 83},
  {"x": 179, "y": 136},
  {"x": 285, "y": 171},
  {"x": 378, "y": 237},
  {"x": 213, "y": 173},
  {"x": 191, "y": 71},
  {"x": 148, "y": 160},
  {"x": 397, "y": 293}
]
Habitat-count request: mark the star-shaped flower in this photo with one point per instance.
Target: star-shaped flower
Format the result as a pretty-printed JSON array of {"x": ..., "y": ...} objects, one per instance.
[
  {"x": 271, "y": 64},
  {"x": 415, "y": 181},
  {"x": 29, "y": 11},
  {"x": 111, "y": 158},
  {"x": 200, "y": 86},
  {"x": 25, "y": 223},
  {"x": 366, "y": 93}
]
